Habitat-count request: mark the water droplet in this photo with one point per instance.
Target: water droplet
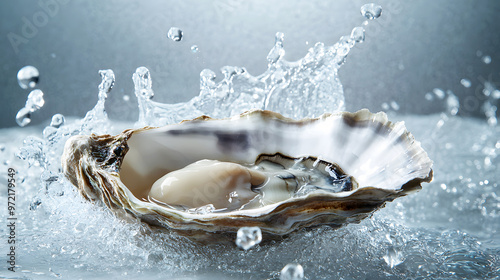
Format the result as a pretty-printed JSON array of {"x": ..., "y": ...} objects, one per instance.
[
  {"x": 23, "y": 117},
  {"x": 27, "y": 77},
  {"x": 452, "y": 103},
  {"x": 487, "y": 164},
  {"x": 385, "y": 106},
  {"x": 358, "y": 34},
  {"x": 126, "y": 98},
  {"x": 247, "y": 237},
  {"x": 490, "y": 111},
  {"x": 429, "y": 96},
  {"x": 175, "y": 34},
  {"x": 371, "y": 11},
  {"x": 496, "y": 94},
  {"x": 108, "y": 80},
  {"x": 277, "y": 51},
  {"x": 143, "y": 83},
  {"x": 393, "y": 257},
  {"x": 439, "y": 93},
  {"x": 202, "y": 210},
  {"x": 194, "y": 48},
  {"x": 292, "y": 271},
  {"x": 35, "y": 100},
  {"x": 486, "y": 59},
  {"x": 394, "y": 105},
  {"x": 466, "y": 83},
  {"x": 57, "y": 120}
]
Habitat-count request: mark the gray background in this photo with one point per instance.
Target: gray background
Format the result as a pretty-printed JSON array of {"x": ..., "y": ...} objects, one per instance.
[{"x": 414, "y": 47}]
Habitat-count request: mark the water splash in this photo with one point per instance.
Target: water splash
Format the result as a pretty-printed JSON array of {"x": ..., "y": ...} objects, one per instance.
[
  {"x": 144, "y": 93},
  {"x": 312, "y": 78},
  {"x": 27, "y": 77},
  {"x": 96, "y": 120}
]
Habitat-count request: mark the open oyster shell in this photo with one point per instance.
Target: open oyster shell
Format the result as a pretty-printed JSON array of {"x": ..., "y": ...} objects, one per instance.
[{"x": 358, "y": 161}]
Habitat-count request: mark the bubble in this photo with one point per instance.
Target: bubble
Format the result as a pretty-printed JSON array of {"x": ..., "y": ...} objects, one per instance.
[
  {"x": 292, "y": 271},
  {"x": 486, "y": 59},
  {"x": 358, "y": 34},
  {"x": 194, "y": 48},
  {"x": 23, "y": 117},
  {"x": 57, "y": 120},
  {"x": 175, "y": 34},
  {"x": 247, "y": 237},
  {"x": 27, "y": 77},
  {"x": 371, "y": 11},
  {"x": 466, "y": 83}
]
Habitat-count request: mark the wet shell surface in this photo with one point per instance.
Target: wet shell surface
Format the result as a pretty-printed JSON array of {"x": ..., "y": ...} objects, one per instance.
[{"x": 206, "y": 177}]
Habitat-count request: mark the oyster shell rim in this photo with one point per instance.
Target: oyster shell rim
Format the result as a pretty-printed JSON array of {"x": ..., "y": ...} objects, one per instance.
[{"x": 213, "y": 222}]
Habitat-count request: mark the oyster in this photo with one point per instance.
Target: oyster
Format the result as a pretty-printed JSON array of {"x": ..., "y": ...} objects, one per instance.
[{"x": 208, "y": 176}]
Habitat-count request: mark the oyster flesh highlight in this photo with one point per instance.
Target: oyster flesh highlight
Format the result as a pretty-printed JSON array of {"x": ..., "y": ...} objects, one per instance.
[{"x": 208, "y": 176}]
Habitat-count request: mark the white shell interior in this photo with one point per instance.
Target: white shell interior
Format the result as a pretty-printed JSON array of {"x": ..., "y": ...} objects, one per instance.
[{"x": 370, "y": 151}]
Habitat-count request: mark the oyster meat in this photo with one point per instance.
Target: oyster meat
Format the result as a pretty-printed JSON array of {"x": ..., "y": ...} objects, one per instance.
[{"x": 208, "y": 177}]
